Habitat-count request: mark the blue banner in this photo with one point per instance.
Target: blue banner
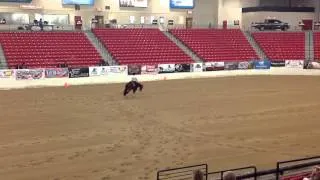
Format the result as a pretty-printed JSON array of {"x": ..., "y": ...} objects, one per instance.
[{"x": 262, "y": 64}]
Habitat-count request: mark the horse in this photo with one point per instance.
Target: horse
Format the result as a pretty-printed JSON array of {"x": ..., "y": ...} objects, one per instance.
[{"x": 132, "y": 85}]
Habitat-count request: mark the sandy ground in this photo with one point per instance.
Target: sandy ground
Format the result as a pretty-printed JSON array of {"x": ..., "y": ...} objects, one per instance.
[{"x": 92, "y": 132}]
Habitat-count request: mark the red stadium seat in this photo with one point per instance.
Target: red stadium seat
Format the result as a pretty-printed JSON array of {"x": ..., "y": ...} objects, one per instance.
[
  {"x": 217, "y": 44},
  {"x": 141, "y": 46},
  {"x": 48, "y": 49},
  {"x": 316, "y": 43},
  {"x": 279, "y": 46}
]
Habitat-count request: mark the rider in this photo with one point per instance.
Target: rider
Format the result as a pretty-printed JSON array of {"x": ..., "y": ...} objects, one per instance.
[{"x": 134, "y": 79}]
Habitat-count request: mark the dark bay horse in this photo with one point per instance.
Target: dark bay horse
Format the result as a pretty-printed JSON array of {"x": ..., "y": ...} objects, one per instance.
[{"x": 132, "y": 85}]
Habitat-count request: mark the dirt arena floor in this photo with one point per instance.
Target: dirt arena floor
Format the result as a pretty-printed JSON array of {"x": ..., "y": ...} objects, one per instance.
[{"x": 93, "y": 133}]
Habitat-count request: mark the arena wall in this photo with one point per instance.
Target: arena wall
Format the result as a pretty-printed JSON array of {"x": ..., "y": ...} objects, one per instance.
[
  {"x": 11, "y": 83},
  {"x": 293, "y": 18},
  {"x": 204, "y": 13},
  {"x": 230, "y": 10}
]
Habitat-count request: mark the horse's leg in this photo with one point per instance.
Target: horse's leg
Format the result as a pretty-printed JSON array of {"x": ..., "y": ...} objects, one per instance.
[
  {"x": 135, "y": 89},
  {"x": 126, "y": 90},
  {"x": 141, "y": 87}
]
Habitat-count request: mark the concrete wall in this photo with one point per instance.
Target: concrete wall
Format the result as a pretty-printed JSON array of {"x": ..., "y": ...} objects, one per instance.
[
  {"x": 293, "y": 18},
  {"x": 203, "y": 13},
  {"x": 230, "y": 10}
]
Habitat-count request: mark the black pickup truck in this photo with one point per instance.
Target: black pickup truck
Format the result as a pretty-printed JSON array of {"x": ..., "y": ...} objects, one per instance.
[{"x": 271, "y": 24}]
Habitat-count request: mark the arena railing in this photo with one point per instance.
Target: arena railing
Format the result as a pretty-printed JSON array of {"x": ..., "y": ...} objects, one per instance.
[
  {"x": 238, "y": 172},
  {"x": 183, "y": 173},
  {"x": 283, "y": 169}
]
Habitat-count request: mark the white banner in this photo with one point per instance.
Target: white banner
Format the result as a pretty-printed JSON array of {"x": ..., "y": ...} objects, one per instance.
[
  {"x": 149, "y": 69},
  {"x": 29, "y": 74},
  {"x": 117, "y": 70},
  {"x": 7, "y": 73},
  {"x": 97, "y": 71},
  {"x": 197, "y": 67},
  {"x": 166, "y": 68},
  {"x": 133, "y": 3},
  {"x": 294, "y": 64}
]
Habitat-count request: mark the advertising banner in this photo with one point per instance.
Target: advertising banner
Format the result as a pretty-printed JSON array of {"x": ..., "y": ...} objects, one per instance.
[
  {"x": 133, "y": 3},
  {"x": 245, "y": 65},
  {"x": 213, "y": 66},
  {"x": 134, "y": 69},
  {"x": 182, "y": 4},
  {"x": 97, "y": 71},
  {"x": 78, "y": 72},
  {"x": 166, "y": 68},
  {"x": 7, "y": 73},
  {"x": 197, "y": 67},
  {"x": 231, "y": 65},
  {"x": 182, "y": 67},
  {"x": 313, "y": 65},
  {"x": 29, "y": 74},
  {"x": 262, "y": 64},
  {"x": 294, "y": 64},
  {"x": 56, "y": 72},
  {"x": 149, "y": 69},
  {"x": 116, "y": 70},
  {"x": 278, "y": 63}
]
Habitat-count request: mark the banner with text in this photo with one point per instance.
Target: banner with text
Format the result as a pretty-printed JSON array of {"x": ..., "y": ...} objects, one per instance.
[
  {"x": 182, "y": 67},
  {"x": 149, "y": 69},
  {"x": 231, "y": 65},
  {"x": 29, "y": 74},
  {"x": 7, "y": 73},
  {"x": 245, "y": 65},
  {"x": 197, "y": 67},
  {"x": 78, "y": 72},
  {"x": 261, "y": 64},
  {"x": 313, "y": 65},
  {"x": 166, "y": 68},
  {"x": 56, "y": 72},
  {"x": 294, "y": 64},
  {"x": 97, "y": 71},
  {"x": 116, "y": 70},
  {"x": 278, "y": 63},
  {"x": 213, "y": 66},
  {"x": 134, "y": 69}
]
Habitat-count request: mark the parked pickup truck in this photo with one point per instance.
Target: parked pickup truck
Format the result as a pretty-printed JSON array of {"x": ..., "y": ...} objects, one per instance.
[{"x": 271, "y": 24}]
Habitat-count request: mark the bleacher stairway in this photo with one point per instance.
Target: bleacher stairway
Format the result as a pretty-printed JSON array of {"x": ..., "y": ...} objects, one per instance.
[
  {"x": 254, "y": 45},
  {"x": 309, "y": 46},
  {"x": 3, "y": 61},
  {"x": 184, "y": 48},
  {"x": 100, "y": 48}
]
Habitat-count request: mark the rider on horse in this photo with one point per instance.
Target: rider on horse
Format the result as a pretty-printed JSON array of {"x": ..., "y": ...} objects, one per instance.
[{"x": 132, "y": 85}]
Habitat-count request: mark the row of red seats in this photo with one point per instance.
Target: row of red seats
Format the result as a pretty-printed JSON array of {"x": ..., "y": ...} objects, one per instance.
[
  {"x": 140, "y": 46},
  {"x": 316, "y": 43},
  {"x": 282, "y": 45},
  {"x": 217, "y": 44},
  {"x": 47, "y": 49}
]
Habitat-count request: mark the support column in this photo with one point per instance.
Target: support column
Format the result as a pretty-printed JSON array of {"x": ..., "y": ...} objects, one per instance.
[{"x": 317, "y": 11}]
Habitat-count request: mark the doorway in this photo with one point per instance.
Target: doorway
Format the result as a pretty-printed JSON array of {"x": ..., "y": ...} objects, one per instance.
[
  {"x": 308, "y": 23},
  {"x": 100, "y": 21},
  {"x": 189, "y": 22}
]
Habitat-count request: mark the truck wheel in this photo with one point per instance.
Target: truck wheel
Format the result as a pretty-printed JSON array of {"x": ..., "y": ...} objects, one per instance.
[
  {"x": 262, "y": 28},
  {"x": 284, "y": 28}
]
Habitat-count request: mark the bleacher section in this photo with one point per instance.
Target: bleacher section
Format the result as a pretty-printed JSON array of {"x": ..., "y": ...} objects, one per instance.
[
  {"x": 299, "y": 176},
  {"x": 48, "y": 49},
  {"x": 285, "y": 170},
  {"x": 141, "y": 46},
  {"x": 316, "y": 42},
  {"x": 217, "y": 44},
  {"x": 279, "y": 46}
]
